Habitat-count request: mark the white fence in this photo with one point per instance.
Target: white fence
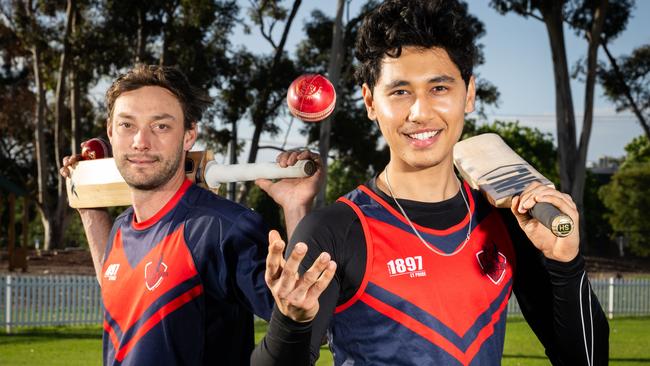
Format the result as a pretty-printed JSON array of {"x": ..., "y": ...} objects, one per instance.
[
  {"x": 49, "y": 300},
  {"x": 618, "y": 297},
  {"x": 73, "y": 300}
]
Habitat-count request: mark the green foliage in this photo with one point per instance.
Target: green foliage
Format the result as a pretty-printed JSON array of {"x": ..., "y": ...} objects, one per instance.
[
  {"x": 109, "y": 37},
  {"x": 638, "y": 151},
  {"x": 580, "y": 16},
  {"x": 534, "y": 146},
  {"x": 344, "y": 178},
  {"x": 599, "y": 232},
  {"x": 634, "y": 77},
  {"x": 626, "y": 197}
]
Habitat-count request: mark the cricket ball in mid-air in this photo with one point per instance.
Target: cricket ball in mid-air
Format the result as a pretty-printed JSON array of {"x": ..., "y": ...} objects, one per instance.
[
  {"x": 95, "y": 148},
  {"x": 311, "y": 97}
]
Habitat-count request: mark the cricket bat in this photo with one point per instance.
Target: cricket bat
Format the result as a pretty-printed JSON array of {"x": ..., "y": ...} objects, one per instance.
[
  {"x": 488, "y": 164},
  {"x": 98, "y": 183}
]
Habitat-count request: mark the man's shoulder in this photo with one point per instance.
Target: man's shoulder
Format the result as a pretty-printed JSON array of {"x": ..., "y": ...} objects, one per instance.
[
  {"x": 335, "y": 213},
  {"x": 202, "y": 202},
  {"x": 327, "y": 222}
]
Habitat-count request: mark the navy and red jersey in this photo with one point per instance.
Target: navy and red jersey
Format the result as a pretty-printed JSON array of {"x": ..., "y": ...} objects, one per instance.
[
  {"x": 181, "y": 287},
  {"x": 410, "y": 290},
  {"x": 397, "y": 301}
]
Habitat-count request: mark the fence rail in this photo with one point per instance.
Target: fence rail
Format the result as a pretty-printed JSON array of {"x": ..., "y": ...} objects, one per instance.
[
  {"x": 31, "y": 301},
  {"x": 618, "y": 297},
  {"x": 49, "y": 300}
]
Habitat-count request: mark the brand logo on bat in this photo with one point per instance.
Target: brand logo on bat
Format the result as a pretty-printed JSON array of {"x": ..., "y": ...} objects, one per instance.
[
  {"x": 73, "y": 190},
  {"x": 510, "y": 180}
]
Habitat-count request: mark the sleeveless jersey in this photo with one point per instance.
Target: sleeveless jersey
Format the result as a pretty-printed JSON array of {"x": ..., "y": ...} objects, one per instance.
[
  {"x": 179, "y": 288},
  {"x": 426, "y": 305}
]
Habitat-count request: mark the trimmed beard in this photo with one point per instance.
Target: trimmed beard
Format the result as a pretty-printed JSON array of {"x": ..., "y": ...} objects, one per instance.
[{"x": 167, "y": 171}]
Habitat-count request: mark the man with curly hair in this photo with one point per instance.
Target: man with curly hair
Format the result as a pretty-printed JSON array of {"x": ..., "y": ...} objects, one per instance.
[{"x": 424, "y": 265}]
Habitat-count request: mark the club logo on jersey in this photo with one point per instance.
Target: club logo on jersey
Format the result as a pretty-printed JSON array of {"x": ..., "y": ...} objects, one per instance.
[
  {"x": 111, "y": 272},
  {"x": 154, "y": 272},
  {"x": 492, "y": 262},
  {"x": 411, "y": 266}
]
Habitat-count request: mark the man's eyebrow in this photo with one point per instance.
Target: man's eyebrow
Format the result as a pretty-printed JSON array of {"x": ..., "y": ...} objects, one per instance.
[
  {"x": 433, "y": 80},
  {"x": 396, "y": 84},
  {"x": 442, "y": 79},
  {"x": 125, "y": 115},
  {"x": 162, "y": 116}
]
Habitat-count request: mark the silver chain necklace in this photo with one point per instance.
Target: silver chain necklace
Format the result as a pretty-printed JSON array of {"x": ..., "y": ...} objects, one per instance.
[{"x": 469, "y": 227}]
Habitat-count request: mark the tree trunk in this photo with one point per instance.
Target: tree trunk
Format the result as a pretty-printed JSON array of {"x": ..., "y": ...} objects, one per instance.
[
  {"x": 75, "y": 116},
  {"x": 25, "y": 234},
  {"x": 58, "y": 213},
  {"x": 42, "y": 157},
  {"x": 11, "y": 230},
  {"x": 168, "y": 28},
  {"x": 59, "y": 108},
  {"x": 334, "y": 73},
  {"x": 577, "y": 189},
  {"x": 232, "y": 187},
  {"x": 565, "y": 118},
  {"x": 140, "y": 40},
  {"x": 75, "y": 113}
]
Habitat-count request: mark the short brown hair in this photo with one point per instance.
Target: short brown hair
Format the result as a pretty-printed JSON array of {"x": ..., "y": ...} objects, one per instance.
[{"x": 193, "y": 100}]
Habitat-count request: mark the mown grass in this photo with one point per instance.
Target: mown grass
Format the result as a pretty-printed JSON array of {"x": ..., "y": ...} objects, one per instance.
[{"x": 629, "y": 345}]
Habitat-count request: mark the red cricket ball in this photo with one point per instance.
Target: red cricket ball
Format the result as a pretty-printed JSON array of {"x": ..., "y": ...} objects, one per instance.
[
  {"x": 311, "y": 97},
  {"x": 95, "y": 148}
]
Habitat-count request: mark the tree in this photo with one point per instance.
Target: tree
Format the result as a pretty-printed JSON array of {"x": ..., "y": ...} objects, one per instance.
[
  {"x": 334, "y": 73},
  {"x": 598, "y": 21},
  {"x": 69, "y": 50},
  {"x": 627, "y": 197},
  {"x": 627, "y": 81},
  {"x": 272, "y": 73}
]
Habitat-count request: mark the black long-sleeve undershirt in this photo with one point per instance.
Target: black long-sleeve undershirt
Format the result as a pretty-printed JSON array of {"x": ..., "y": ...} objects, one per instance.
[{"x": 548, "y": 291}]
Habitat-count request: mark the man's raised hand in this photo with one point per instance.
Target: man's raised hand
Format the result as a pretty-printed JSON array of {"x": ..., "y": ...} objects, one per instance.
[{"x": 296, "y": 296}]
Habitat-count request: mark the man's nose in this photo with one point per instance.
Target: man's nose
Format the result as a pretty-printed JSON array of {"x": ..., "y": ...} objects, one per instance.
[
  {"x": 422, "y": 109},
  {"x": 142, "y": 139}
]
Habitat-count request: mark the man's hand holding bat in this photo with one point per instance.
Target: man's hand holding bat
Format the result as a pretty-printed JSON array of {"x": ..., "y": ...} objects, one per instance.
[
  {"x": 548, "y": 217},
  {"x": 563, "y": 249}
]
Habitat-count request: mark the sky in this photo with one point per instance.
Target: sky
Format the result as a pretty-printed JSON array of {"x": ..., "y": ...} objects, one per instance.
[{"x": 518, "y": 62}]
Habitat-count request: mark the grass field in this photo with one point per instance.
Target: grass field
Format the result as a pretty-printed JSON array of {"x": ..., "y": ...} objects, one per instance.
[{"x": 629, "y": 345}]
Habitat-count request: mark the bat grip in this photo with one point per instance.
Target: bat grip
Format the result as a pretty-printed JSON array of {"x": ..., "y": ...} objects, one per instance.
[{"x": 550, "y": 216}]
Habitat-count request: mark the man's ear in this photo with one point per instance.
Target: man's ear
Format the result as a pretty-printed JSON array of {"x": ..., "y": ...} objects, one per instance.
[
  {"x": 109, "y": 130},
  {"x": 368, "y": 100},
  {"x": 189, "y": 138},
  {"x": 470, "y": 98}
]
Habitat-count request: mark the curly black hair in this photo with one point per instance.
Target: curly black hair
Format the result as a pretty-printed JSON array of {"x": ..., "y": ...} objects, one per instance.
[
  {"x": 194, "y": 101},
  {"x": 421, "y": 23}
]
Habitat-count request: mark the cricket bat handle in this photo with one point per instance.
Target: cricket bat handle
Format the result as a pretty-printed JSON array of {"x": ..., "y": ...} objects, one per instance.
[
  {"x": 555, "y": 220},
  {"x": 216, "y": 173}
]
